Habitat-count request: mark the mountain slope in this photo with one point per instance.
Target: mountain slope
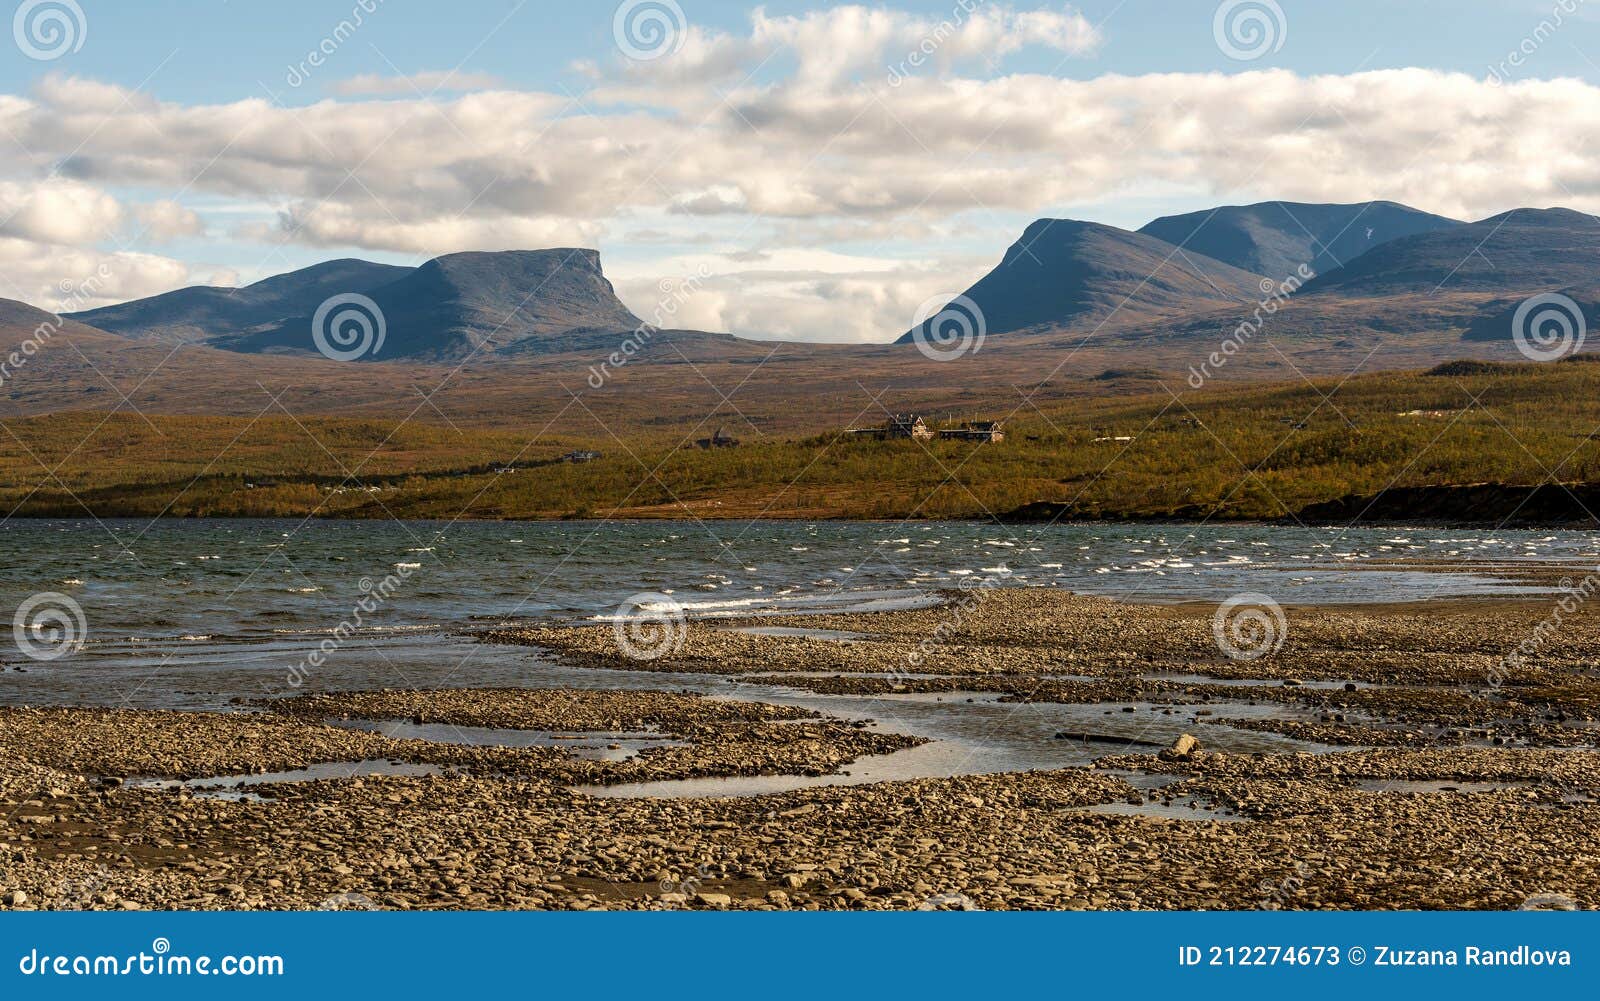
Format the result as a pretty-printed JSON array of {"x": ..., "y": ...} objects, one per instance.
[
  {"x": 1516, "y": 253},
  {"x": 1276, "y": 238},
  {"x": 1068, "y": 274},
  {"x": 472, "y": 303},
  {"x": 201, "y": 313}
]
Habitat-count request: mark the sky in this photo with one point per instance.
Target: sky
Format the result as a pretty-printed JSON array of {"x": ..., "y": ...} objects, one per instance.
[{"x": 812, "y": 172}]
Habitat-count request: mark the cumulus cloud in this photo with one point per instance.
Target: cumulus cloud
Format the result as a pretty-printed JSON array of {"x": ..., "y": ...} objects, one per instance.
[
  {"x": 166, "y": 220},
  {"x": 331, "y": 225},
  {"x": 797, "y": 294},
  {"x": 70, "y": 278},
  {"x": 57, "y": 211}
]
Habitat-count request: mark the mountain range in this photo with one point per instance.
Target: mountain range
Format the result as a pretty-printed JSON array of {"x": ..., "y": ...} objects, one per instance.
[
  {"x": 1415, "y": 273},
  {"x": 1082, "y": 299}
]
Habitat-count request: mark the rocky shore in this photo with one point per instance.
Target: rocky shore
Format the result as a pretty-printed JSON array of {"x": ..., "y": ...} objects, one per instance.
[{"x": 1468, "y": 781}]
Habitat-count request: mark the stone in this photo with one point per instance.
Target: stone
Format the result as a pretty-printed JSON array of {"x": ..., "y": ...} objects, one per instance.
[{"x": 1182, "y": 749}]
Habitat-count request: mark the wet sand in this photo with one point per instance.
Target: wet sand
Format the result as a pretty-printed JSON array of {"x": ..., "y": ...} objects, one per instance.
[{"x": 1442, "y": 779}]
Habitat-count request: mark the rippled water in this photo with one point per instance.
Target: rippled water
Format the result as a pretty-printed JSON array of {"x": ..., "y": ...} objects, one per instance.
[
  {"x": 191, "y": 613},
  {"x": 197, "y": 614}
]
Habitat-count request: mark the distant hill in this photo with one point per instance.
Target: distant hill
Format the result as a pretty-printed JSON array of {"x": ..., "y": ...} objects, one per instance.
[
  {"x": 1497, "y": 320},
  {"x": 1515, "y": 253},
  {"x": 460, "y": 304},
  {"x": 202, "y": 313},
  {"x": 1067, "y": 274},
  {"x": 1276, "y": 238}
]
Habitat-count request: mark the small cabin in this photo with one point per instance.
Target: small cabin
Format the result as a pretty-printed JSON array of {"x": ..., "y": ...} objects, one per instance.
[
  {"x": 899, "y": 427},
  {"x": 906, "y": 426},
  {"x": 974, "y": 431}
]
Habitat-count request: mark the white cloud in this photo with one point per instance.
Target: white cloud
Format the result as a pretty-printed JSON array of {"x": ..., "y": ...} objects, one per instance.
[
  {"x": 167, "y": 220},
  {"x": 331, "y": 225},
  {"x": 55, "y": 277},
  {"x": 57, "y": 211}
]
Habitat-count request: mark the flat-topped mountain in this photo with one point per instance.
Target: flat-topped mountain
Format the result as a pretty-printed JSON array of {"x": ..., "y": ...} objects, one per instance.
[
  {"x": 1276, "y": 238},
  {"x": 447, "y": 309},
  {"x": 1064, "y": 274},
  {"x": 1515, "y": 253},
  {"x": 202, "y": 313},
  {"x": 473, "y": 303}
]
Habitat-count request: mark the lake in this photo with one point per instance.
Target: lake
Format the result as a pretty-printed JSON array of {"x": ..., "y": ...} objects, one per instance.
[{"x": 192, "y": 614}]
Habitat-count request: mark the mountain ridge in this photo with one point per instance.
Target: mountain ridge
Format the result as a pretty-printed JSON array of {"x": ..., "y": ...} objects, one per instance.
[
  {"x": 1065, "y": 273},
  {"x": 1275, "y": 238}
]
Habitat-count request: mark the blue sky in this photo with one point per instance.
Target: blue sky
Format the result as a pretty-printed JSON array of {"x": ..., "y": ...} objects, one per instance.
[
  {"x": 766, "y": 151},
  {"x": 225, "y": 51}
]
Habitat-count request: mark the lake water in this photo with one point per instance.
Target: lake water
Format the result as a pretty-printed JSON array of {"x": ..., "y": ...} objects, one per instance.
[
  {"x": 195, "y": 613},
  {"x": 198, "y": 614}
]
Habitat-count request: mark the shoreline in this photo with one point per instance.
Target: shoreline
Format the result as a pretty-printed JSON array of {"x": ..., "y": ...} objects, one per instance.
[{"x": 75, "y": 512}]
